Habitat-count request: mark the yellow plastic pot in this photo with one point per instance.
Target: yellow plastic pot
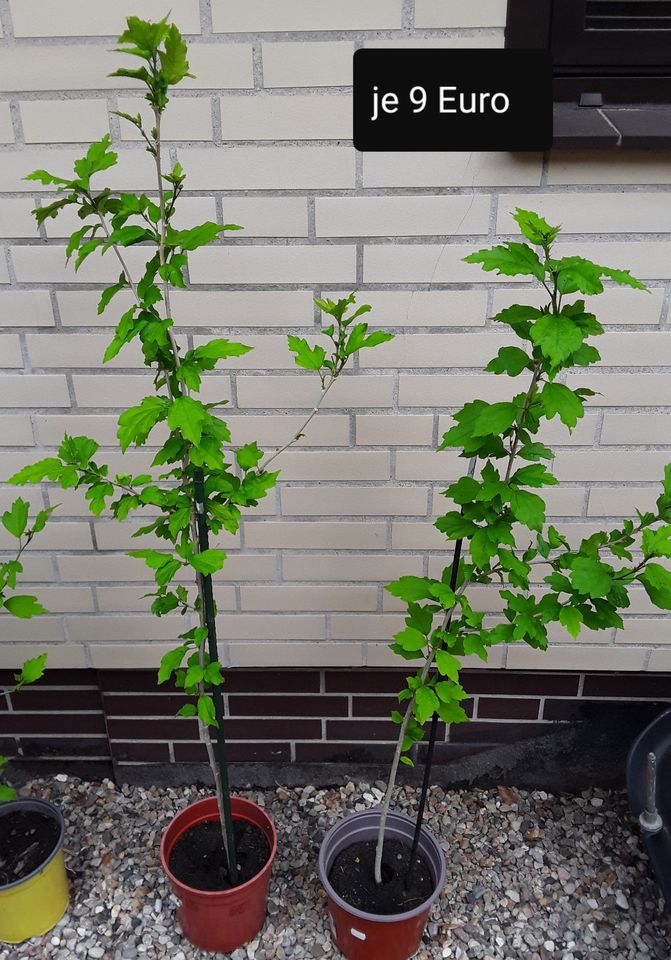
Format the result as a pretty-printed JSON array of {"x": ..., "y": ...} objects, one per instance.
[{"x": 33, "y": 905}]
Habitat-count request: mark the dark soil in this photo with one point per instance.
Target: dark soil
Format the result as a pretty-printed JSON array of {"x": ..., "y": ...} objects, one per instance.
[
  {"x": 27, "y": 839},
  {"x": 198, "y": 858},
  {"x": 352, "y": 877}
]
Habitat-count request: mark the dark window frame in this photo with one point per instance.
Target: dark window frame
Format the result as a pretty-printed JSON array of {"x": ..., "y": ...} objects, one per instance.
[{"x": 623, "y": 66}]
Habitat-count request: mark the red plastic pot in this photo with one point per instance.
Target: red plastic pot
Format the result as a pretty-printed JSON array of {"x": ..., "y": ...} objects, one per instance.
[
  {"x": 367, "y": 936},
  {"x": 220, "y": 920}
]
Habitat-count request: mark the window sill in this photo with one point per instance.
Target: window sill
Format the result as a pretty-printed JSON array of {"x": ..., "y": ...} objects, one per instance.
[{"x": 641, "y": 126}]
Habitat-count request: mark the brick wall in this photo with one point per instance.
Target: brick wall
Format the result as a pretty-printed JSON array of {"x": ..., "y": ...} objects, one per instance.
[{"x": 264, "y": 135}]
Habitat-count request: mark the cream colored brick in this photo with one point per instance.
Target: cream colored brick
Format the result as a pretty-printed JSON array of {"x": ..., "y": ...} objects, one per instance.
[
  {"x": 648, "y": 631},
  {"x": 188, "y": 118},
  {"x": 46, "y": 264},
  {"x": 319, "y": 63},
  {"x": 346, "y": 535},
  {"x": 421, "y": 263},
  {"x": 269, "y": 352},
  {"x": 110, "y": 391},
  {"x": 639, "y": 349},
  {"x": 10, "y": 351},
  {"x": 273, "y": 431},
  {"x": 300, "y": 117},
  {"x": 423, "y": 308},
  {"x": 63, "y": 121},
  {"x": 620, "y": 501},
  {"x": 428, "y": 465},
  {"x": 32, "y": 495},
  {"x": 77, "y": 18},
  {"x": 120, "y": 567},
  {"x": 276, "y": 626},
  {"x": 261, "y": 16},
  {"x": 133, "y": 170},
  {"x": 308, "y": 598},
  {"x": 16, "y": 432},
  {"x": 51, "y": 429},
  {"x": 242, "y": 308},
  {"x": 417, "y": 536},
  {"x": 578, "y": 465},
  {"x": 61, "y": 656},
  {"x": 292, "y": 392},
  {"x": 60, "y": 599},
  {"x": 268, "y": 167},
  {"x": 57, "y": 535},
  {"x": 16, "y": 219},
  {"x": 79, "y": 350},
  {"x": 401, "y": 216},
  {"x": 436, "y": 350},
  {"x": 660, "y": 660},
  {"x": 561, "y": 501},
  {"x": 86, "y": 67},
  {"x": 437, "y": 13},
  {"x": 379, "y": 626},
  {"x": 4, "y": 272},
  {"x": 625, "y": 389},
  {"x": 552, "y": 432},
  {"x": 379, "y": 655},
  {"x": 268, "y": 216},
  {"x": 394, "y": 430},
  {"x": 635, "y": 428},
  {"x": 6, "y": 129},
  {"x": 103, "y": 627},
  {"x": 42, "y": 629},
  {"x": 341, "y": 465},
  {"x": 584, "y": 166},
  {"x": 489, "y": 38},
  {"x": 46, "y": 390},
  {"x": 353, "y": 501},
  {"x": 25, "y": 308},
  {"x": 274, "y": 264},
  {"x": 574, "y": 657},
  {"x": 418, "y": 390},
  {"x": 612, "y": 306},
  {"x": 79, "y": 308},
  {"x": 131, "y": 599},
  {"x": 621, "y": 212},
  {"x": 296, "y": 654},
  {"x": 451, "y": 170},
  {"x": 111, "y": 656},
  {"x": 36, "y": 568},
  {"x": 112, "y": 535},
  {"x": 354, "y": 567}
]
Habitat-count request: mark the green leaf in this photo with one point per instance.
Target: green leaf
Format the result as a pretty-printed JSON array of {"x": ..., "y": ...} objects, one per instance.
[
  {"x": 136, "y": 423},
  {"x": 188, "y": 710},
  {"x": 623, "y": 278},
  {"x": 495, "y": 418},
  {"x": 15, "y": 520},
  {"x": 558, "y": 399},
  {"x": 528, "y": 508},
  {"x": 410, "y": 589},
  {"x": 535, "y": 475},
  {"x": 577, "y": 274},
  {"x": 31, "y": 670},
  {"x": 410, "y": 639},
  {"x": 571, "y": 618},
  {"x": 206, "y": 711},
  {"x": 77, "y": 450},
  {"x": 248, "y": 456},
  {"x": 453, "y": 525},
  {"x": 426, "y": 703},
  {"x": 110, "y": 292},
  {"x": 171, "y": 662},
  {"x": 510, "y": 260},
  {"x": 48, "y": 469},
  {"x": 188, "y": 416},
  {"x": 535, "y": 228},
  {"x": 591, "y": 576},
  {"x": 24, "y": 606},
  {"x": 213, "y": 673},
  {"x": 174, "y": 64},
  {"x": 407, "y": 761},
  {"x": 310, "y": 358},
  {"x": 557, "y": 336},
  {"x": 447, "y": 665},
  {"x": 219, "y": 349},
  {"x": 207, "y": 561},
  {"x": 657, "y": 543},
  {"x": 509, "y": 360},
  {"x": 657, "y": 582}
]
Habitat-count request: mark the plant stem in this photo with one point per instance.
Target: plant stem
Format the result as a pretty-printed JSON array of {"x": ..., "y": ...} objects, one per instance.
[
  {"x": 299, "y": 433},
  {"x": 207, "y": 606}
]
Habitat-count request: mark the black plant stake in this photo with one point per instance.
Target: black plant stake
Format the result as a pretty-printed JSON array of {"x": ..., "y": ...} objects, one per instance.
[
  {"x": 428, "y": 763},
  {"x": 208, "y": 604}
]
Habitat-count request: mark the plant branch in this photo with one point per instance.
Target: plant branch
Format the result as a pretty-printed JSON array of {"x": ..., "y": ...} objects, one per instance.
[{"x": 299, "y": 433}]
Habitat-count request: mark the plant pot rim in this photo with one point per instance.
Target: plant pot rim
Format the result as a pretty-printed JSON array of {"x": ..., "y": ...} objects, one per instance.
[
  {"x": 237, "y": 815},
  {"x": 41, "y": 806},
  {"x": 401, "y": 819}
]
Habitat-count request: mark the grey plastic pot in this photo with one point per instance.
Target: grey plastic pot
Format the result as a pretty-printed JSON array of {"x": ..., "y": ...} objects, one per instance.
[{"x": 369, "y": 936}]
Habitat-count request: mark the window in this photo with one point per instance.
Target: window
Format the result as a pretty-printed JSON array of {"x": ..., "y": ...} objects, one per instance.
[{"x": 611, "y": 55}]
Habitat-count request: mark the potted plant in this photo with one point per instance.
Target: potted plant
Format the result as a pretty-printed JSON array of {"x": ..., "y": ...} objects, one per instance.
[
  {"x": 381, "y": 871},
  {"x": 33, "y": 884},
  {"x": 217, "y": 853}
]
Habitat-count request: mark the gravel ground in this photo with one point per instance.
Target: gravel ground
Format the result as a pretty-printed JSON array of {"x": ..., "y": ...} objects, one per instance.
[{"x": 531, "y": 876}]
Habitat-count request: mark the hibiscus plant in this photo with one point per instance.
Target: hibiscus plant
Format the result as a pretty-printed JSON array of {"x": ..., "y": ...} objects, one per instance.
[
  {"x": 16, "y": 523},
  {"x": 197, "y": 485},
  {"x": 498, "y": 518}
]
